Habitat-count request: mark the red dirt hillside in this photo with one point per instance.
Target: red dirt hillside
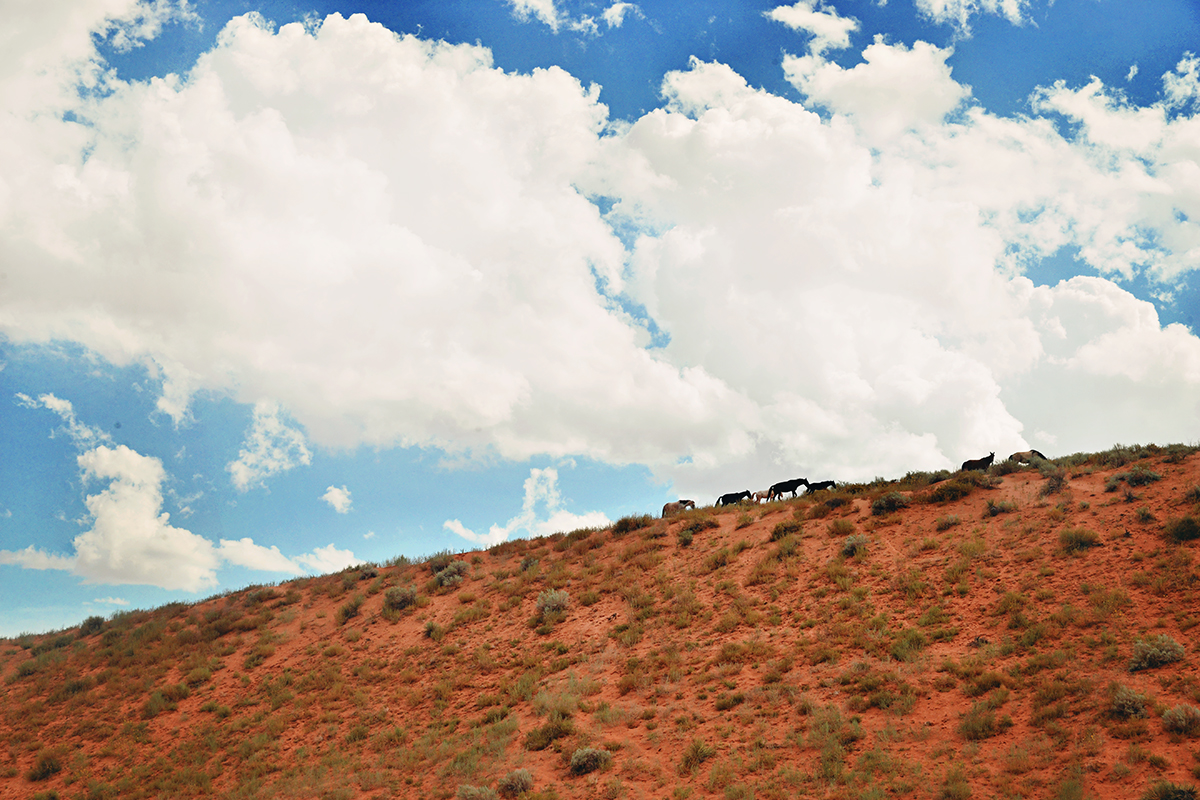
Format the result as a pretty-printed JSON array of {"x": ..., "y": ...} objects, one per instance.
[{"x": 1016, "y": 633}]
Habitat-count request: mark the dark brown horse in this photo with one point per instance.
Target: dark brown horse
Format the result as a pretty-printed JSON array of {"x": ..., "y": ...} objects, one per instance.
[{"x": 979, "y": 463}]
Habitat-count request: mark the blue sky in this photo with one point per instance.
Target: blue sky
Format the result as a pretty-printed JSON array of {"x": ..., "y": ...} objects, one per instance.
[{"x": 285, "y": 286}]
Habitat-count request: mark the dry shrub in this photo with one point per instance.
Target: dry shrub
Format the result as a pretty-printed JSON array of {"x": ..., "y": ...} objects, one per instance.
[
  {"x": 1155, "y": 651},
  {"x": 589, "y": 759},
  {"x": 1182, "y": 529},
  {"x": 1182, "y": 719},
  {"x": 515, "y": 783},
  {"x": 888, "y": 503}
]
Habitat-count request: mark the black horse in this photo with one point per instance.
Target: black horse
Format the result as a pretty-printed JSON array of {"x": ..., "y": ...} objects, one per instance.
[
  {"x": 979, "y": 463},
  {"x": 733, "y": 497},
  {"x": 786, "y": 486}
]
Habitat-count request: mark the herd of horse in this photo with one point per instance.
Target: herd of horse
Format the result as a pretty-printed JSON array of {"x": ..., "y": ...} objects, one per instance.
[{"x": 778, "y": 490}]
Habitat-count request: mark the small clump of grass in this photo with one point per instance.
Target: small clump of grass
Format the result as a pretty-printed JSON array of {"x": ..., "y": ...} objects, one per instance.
[
  {"x": 632, "y": 523},
  {"x": 542, "y": 737},
  {"x": 349, "y": 609},
  {"x": 1182, "y": 529},
  {"x": 785, "y": 528},
  {"x": 1165, "y": 790},
  {"x": 45, "y": 766},
  {"x": 947, "y": 522},
  {"x": 1076, "y": 540},
  {"x": 694, "y": 755},
  {"x": 995, "y": 508}
]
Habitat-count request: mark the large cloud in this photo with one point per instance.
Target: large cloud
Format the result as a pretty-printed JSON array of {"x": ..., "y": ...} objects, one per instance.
[{"x": 396, "y": 243}]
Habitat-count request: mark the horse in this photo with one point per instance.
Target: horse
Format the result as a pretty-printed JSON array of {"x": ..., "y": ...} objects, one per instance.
[
  {"x": 787, "y": 486},
  {"x": 733, "y": 497},
  {"x": 671, "y": 509},
  {"x": 979, "y": 463},
  {"x": 1027, "y": 456},
  {"x": 819, "y": 485}
]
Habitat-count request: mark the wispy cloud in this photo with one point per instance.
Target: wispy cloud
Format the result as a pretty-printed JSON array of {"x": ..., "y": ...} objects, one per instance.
[
  {"x": 80, "y": 434},
  {"x": 271, "y": 446}
]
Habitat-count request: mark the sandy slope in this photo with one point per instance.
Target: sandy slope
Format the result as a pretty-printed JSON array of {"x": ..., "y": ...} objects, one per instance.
[{"x": 794, "y": 672}]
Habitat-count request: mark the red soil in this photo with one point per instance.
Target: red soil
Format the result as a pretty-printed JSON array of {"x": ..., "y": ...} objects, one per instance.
[{"x": 377, "y": 708}]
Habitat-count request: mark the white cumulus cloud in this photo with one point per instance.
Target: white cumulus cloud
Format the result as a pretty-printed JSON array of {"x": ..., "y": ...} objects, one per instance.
[
  {"x": 131, "y": 539},
  {"x": 397, "y": 243},
  {"x": 338, "y": 499},
  {"x": 830, "y": 30},
  {"x": 541, "y": 514},
  {"x": 327, "y": 559}
]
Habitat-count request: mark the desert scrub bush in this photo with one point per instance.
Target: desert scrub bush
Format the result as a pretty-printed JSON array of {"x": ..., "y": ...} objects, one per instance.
[
  {"x": 840, "y": 527},
  {"x": 453, "y": 574},
  {"x": 908, "y": 643},
  {"x": 553, "y": 601},
  {"x": 1126, "y": 703},
  {"x": 1165, "y": 790},
  {"x": 728, "y": 701},
  {"x": 1076, "y": 540},
  {"x": 632, "y": 523},
  {"x": 1182, "y": 719},
  {"x": 589, "y": 759},
  {"x": 475, "y": 793},
  {"x": 515, "y": 783},
  {"x": 684, "y": 537},
  {"x": 743, "y": 521},
  {"x": 888, "y": 503},
  {"x": 697, "y": 521},
  {"x": 995, "y": 508},
  {"x": 854, "y": 545},
  {"x": 399, "y": 598},
  {"x": 947, "y": 522},
  {"x": 46, "y": 765},
  {"x": 542, "y": 737},
  {"x": 1056, "y": 479},
  {"x": 91, "y": 625},
  {"x": 694, "y": 755},
  {"x": 439, "y": 561},
  {"x": 981, "y": 721},
  {"x": 1182, "y": 529},
  {"x": 949, "y": 492},
  {"x": 1140, "y": 476},
  {"x": 1155, "y": 651},
  {"x": 349, "y": 609},
  {"x": 434, "y": 631},
  {"x": 785, "y": 528},
  {"x": 955, "y": 786}
]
